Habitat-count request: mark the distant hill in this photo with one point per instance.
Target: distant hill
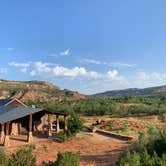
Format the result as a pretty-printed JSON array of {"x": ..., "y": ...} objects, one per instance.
[
  {"x": 134, "y": 91},
  {"x": 36, "y": 91}
]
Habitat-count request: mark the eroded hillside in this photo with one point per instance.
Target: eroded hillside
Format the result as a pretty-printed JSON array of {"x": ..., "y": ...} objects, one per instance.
[{"x": 35, "y": 91}]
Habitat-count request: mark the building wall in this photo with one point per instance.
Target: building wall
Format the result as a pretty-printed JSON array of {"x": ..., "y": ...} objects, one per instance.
[
  {"x": 41, "y": 124},
  {"x": 14, "y": 128}
]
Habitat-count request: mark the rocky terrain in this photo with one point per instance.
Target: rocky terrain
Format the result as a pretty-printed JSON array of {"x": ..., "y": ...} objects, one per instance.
[{"x": 35, "y": 91}]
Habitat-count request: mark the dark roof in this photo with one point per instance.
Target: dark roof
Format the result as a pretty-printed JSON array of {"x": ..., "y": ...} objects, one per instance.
[
  {"x": 3, "y": 102},
  {"x": 8, "y": 113}
]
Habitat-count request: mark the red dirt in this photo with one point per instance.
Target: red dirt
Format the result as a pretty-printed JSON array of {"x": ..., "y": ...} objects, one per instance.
[
  {"x": 94, "y": 150},
  {"x": 91, "y": 152}
]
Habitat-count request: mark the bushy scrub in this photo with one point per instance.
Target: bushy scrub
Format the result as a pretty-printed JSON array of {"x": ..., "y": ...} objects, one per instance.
[
  {"x": 74, "y": 124},
  {"x": 65, "y": 159},
  {"x": 23, "y": 157},
  {"x": 61, "y": 123},
  {"x": 142, "y": 159},
  {"x": 4, "y": 160},
  {"x": 62, "y": 136},
  {"x": 68, "y": 159},
  {"x": 149, "y": 150},
  {"x": 150, "y": 105}
]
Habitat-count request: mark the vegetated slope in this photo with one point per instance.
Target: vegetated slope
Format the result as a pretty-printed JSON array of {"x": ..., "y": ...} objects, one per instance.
[
  {"x": 35, "y": 91},
  {"x": 134, "y": 91}
]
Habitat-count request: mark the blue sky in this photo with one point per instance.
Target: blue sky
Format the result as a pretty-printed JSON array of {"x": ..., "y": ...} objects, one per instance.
[{"x": 87, "y": 46}]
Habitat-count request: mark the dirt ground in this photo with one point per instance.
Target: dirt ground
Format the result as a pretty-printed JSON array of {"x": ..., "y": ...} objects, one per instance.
[
  {"x": 94, "y": 149},
  {"x": 127, "y": 125}
]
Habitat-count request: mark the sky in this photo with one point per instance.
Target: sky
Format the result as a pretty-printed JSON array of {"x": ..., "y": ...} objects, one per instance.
[{"x": 88, "y": 46}]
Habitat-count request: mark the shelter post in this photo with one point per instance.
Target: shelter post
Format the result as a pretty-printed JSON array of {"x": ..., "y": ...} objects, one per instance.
[
  {"x": 49, "y": 125},
  {"x": 65, "y": 123},
  {"x": 2, "y": 139},
  {"x": 57, "y": 123},
  {"x": 7, "y": 139},
  {"x": 30, "y": 137}
]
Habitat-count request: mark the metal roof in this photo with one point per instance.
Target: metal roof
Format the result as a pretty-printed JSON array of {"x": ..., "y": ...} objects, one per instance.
[
  {"x": 4, "y": 101},
  {"x": 8, "y": 113}
]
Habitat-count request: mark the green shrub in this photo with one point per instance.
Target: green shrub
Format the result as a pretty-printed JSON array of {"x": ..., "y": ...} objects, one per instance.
[
  {"x": 3, "y": 158},
  {"x": 141, "y": 159},
  {"x": 153, "y": 131},
  {"x": 125, "y": 126},
  {"x": 61, "y": 123},
  {"x": 149, "y": 150},
  {"x": 74, "y": 124},
  {"x": 23, "y": 157},
  {"x": 129, "y": 160},
  {"x": 50, "y": 163},
  {"x": 65, "y": 159},
  {"x": 68, "y": 159},
  {"x": 62, "y": 136}
]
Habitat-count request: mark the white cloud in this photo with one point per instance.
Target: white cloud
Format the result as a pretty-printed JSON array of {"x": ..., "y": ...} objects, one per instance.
[
  {"x": 10, "y": 49},
  {"x": 90, "y": 81},
  {"x": 73, "y": 72},
  {"x": 3, "y": 70},
  {"x": 45, "y": 69},
  {"x": 147, "y": 79},
  {"x": 65, "y": 53},
  {"x": 92, "y": 61},
  {"x": 54, "y": 55},
  {"x": 33, "y": 73},
  {"x": 112, "y": 73},
  {"x": 109, "y": 64},
  {"x": 119, "y": 64},
  {"x": 24, "y": 70},
  {"x": 16, "y": 64}
]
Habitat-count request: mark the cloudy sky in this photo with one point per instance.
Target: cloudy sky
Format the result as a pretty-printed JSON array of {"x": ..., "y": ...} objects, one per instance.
[{"x": 85, "y": 45}]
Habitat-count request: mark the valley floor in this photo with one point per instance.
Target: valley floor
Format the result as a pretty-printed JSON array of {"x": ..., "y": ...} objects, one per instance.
[{"x": 94, "y": 149}]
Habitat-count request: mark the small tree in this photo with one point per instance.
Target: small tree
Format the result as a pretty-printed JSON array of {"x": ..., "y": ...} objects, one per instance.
[{"x": 74, "y": 124}]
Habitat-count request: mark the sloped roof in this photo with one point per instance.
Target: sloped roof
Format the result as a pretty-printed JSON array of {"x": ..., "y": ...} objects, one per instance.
[
  {"x": 8, "y": 113},
  {"x": 4, "y": 101}
]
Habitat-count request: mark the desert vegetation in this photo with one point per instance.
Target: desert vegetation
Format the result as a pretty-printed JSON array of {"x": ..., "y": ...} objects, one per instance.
[
  {"x": 117, "y": 106},
  {"x": 65, "y": 159},
  {"x": 140, "y": 116},
  {"x": 74, "y": 126},
  {"x": 24, "y": 157},
  {"x": 148, "y": 150}
]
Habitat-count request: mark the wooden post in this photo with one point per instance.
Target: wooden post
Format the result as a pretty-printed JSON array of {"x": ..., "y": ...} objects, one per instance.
[
  {"x": 19, "y": 128},
  {"x": 57, "y": 123},
  {"x": 49, "y": 125},
  {"x": 7, "y": 139},
  {"x": 2, "y": 139},
  {"x": 30, "y": 137},
  {"x": 65, "y": 123}
]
